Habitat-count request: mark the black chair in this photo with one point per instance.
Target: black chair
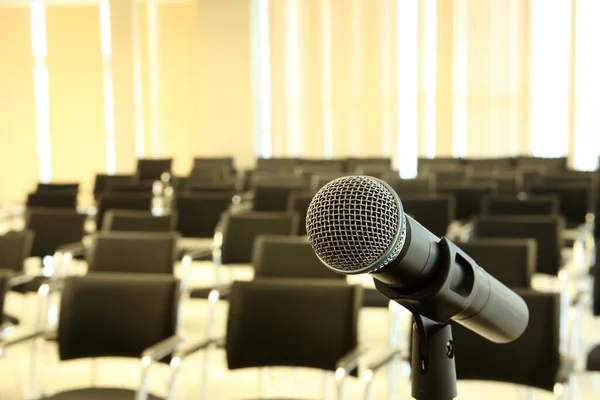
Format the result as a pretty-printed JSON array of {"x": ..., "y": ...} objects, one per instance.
[
  {"x": 545, "y": 230},
  {"x": 121, "y": 201},
  {"x": 141, "y": 221},
  {"x": 277, "y": 164},
  {"x": 511, "y": 261},
  {"x": 284, "y": 256},
  {"x": 65, "y": 200},
  {"x": 289, "y": 323},
  {"x": 275, "y": 197},
  {"x": 201, "y": 175},
  {"x": 434, "y": 212},
  {"x": 133, "y": 252},
  {"x": 200, "y": 213},
  {"x": 446, "y": 177},
  {"x": 352, "y": 164},
  {"x": 133, "y": 187},
  {"x": 114, "y": 315},
  {"x": 57, "y": 187},
  {"x": 299, "y": 202},
  {"x": 425, "y": 165},
  {"x": 513, "y": 205},
  {"x": 150, "y": 169},
  {"x": 467, "y": 197},
  {"x": 322, "y": 165},
  {"x": 103, "y": 180},
  {"x": 5, "y": 276},
  {"x": 575, "y": 200},
  {"x": 593, "y": 358},
  {"x": 53, "y": 228},
  {"x": 218, "y": 163},
  {"x": 490, "y": 164},
  {"x": 420, "y": 185},
  {"x": 533, "y": 360},
  {"x": 224, "y": 188},
  {"x": 558, "y": 164},
  {"x": 15, "y": 247},
  {"x": 318, "y": 180}
]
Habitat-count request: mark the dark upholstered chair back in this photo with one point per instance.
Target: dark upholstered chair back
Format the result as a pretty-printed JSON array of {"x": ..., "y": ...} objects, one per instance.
[
  {"x": 545, "y": 230},
  {"x": 103, "y": 180},
  {"x": 467, "y": 196},
  {"x": 275, "y": 197},
  {"x": 115, "y": 315},
  {"x": 575, "y": 200},
  {"x": 420, "y": 185},
  {"x": 15, "y": 247},
  {"x": 4, "y": 277},
  {"x": 215, "y": 163},
  {"x": 222, "y": 188},
  {"x": 352, "y": 164},
  {"x": 132, "y": 187},
  {"x": 67, "y": 200},
  {"x": 276, "y": 164},
  {"x": 53, "y": 228},
  {"x": 200, "y": 213},
  {"x": 57, "y": 187},
  {"x": 288, "y": 257},
  {"x": 239, "y": 231},
  {"x": 283, "y": 322},
  {"x": 152, "y": 169},
  {"x": 512, "y": 205},
  {"x": 511, "y": 261},
  {"x": 596, "y": 295},
  {"x": 299, "y": 202},
  {"x": 434, "y": 212},
  {"x": 558, "y": 164},
  {"x": 133, "y": 252},
  {"x": 121, "y": 201},
  {"x": 532, "y": 360},
  {"x": 138, "y": 221}
]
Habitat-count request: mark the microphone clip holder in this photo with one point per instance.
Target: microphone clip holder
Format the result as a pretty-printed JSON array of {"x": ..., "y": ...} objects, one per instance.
[{"x": 432, "y": 360}]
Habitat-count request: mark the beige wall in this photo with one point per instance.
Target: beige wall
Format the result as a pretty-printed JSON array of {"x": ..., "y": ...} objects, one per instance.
[{"x": 18, "y": 151}]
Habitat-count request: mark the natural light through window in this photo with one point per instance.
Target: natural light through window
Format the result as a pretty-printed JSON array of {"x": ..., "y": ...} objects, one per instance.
[
  {"x": 41, "y": 89},
  {"x": 109, "y": 104},
  {"x": 293, "y": 77},
  {"x": 428, "y": 68}
]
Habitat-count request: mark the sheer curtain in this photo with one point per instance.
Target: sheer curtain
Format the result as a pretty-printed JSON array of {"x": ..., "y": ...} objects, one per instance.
[{"x": 468, "y": 78}]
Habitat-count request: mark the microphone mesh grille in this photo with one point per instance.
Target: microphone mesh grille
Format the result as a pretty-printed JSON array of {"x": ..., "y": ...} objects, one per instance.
[{"x": 352, "y": 222}]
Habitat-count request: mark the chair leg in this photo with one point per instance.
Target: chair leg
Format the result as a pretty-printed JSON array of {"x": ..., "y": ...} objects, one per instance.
[
  {"x": 205, "y": 374},
  {"x": 325, "y": 385},
  {"x": 175, "y": 364}
]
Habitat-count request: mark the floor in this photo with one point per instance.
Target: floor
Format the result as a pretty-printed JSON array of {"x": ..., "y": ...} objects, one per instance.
[{"x": 289, "y": 383}]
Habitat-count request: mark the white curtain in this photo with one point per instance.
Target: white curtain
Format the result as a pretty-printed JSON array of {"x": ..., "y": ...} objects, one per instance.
[{"x": 468, "y": 78}]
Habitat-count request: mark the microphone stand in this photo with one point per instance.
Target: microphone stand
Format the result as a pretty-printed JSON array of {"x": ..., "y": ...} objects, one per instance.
[{"x": 432, "y": 361}]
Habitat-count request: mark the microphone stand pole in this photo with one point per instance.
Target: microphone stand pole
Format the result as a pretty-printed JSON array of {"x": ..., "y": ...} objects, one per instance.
[{"x": 432, "y": 361}]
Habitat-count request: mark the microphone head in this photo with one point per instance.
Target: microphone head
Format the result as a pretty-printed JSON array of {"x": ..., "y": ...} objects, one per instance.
[{"x": 356, "y": 224}]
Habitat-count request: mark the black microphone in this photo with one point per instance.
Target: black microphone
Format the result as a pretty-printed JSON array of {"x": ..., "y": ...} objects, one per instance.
[{"x": 356, "y": 224}]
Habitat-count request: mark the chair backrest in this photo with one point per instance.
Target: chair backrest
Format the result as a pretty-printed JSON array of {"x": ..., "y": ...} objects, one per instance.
[
  {"x": 575, "y": 199},
  {"x": 132, "y": 187},
  {"x": 430, "y": 164},
  {"x": 279, "y": 256},
  {"x": 53, "y": 228},
  {"x": 420, "y": 185},
  {"x": 276, "y": 164},
  {"x": 490, "y": 164},
  {"x": 4, "y": 277},
  {"x": 532, "y": 360},
  {"x": 152, "y": 168},
  {"x": 596, "y": 294},
  {"x": 138, "y": 221},
  {"x": 133, "y": 252},
  {"x": 318, "y": 180},
  {"x": 102, "y": 180},
  {"x": 545, "y": 230},
  {"x": 452, "y": 177},
  {"x": 57, "y": 187},
  {"x": 513, "y": 205},
  {"x": 434, "y": 212},
  {"x": 511, "y": 261},
  {"x": 66, "y": 200},
  {"x": 200, "y": 213},
  {"x": 275, "y": 197},
  {"x": 322, "y": 165},
  {"x": 15, "y": 247},
  {"x": 121, "y": 201},
  {"x": 208, "y": 175},
  {"x": 227, "y": 163},
  {"x": 222, "y": 188},
  {"x": 115, "y": 315},
  {"x": 558, "y": 164},
  {"x": 294, "y": 323},
  {"x": 352, "y": 164},
  {"x": 467, "y": 196},
  {"x": 299, "y": 202},
  {"x": 239, "y": 231}
]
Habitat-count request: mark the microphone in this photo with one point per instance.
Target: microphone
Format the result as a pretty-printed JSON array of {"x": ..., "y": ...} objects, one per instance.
[{"x": 356, "y": 224}]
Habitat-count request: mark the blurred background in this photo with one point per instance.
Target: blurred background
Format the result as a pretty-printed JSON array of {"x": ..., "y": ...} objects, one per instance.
[{"x": 158, "y": 158}]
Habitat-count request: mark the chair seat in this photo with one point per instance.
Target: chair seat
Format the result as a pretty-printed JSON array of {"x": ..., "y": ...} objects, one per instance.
[
  {"x": 97, "y": 394},
  {"x": 29, "y": 287},
  {"x": 593, "y": 359}
]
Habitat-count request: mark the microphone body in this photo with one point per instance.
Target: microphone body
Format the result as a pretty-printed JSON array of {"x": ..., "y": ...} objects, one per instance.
[{"x": 358, "y": 225}]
